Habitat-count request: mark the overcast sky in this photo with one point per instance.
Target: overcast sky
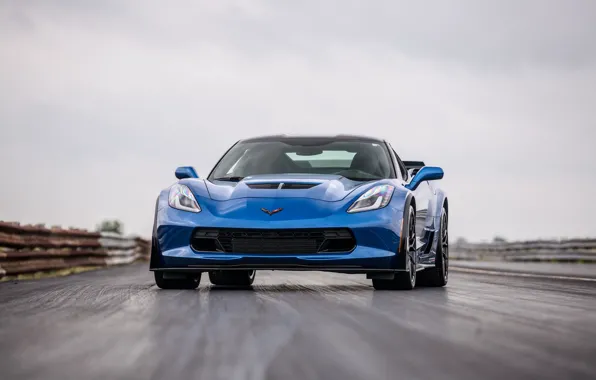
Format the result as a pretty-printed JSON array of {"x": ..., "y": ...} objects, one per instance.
[{"x": 99, "y": 103}]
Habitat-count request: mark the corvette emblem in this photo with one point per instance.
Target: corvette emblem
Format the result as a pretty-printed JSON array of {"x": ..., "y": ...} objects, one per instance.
[{"x": 272, "y": 211}]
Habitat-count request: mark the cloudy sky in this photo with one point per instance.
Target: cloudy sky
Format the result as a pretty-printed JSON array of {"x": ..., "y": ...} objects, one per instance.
[{"x": 100, "y": 102}]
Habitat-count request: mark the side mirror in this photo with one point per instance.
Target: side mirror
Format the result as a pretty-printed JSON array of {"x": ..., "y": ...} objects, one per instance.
[
  {"x": 427, "y": 173},
  {"x": 186, "y": 172},
  {"x": 412, "y": 172}
]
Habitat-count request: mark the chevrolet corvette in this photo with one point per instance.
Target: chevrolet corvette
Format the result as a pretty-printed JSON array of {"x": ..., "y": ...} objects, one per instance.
[{"x": 345, "y": 204}]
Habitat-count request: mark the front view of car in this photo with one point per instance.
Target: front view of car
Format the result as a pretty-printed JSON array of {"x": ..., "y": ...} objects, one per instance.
[{"x": 281, "y": 203}]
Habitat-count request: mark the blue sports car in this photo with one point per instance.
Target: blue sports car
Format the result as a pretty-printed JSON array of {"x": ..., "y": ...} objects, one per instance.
[{"x": 344, "y": 204}]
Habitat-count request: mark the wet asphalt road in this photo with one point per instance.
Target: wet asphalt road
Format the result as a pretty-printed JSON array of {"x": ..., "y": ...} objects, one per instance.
[{"x": 115, "y": 324}]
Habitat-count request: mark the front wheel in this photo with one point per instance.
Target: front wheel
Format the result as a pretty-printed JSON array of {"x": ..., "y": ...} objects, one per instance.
[
  {"x": 191, "y": 282},
  {"x": 405, "y": 280},
  {"x": 239, "y": 278}
]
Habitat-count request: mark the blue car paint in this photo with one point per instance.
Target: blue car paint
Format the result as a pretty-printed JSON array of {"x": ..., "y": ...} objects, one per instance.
[
  {"x": 186, "y": 172},
  {"x": 427, "y": 173},
  {"x": 231, "y": 204},
  {"x": 328, "y": 187}
]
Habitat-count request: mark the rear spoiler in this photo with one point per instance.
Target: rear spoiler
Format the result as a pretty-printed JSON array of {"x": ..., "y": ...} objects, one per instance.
[{"x": 413, "y": 165}]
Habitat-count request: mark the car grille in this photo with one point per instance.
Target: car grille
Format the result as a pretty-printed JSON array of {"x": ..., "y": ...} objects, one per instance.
[{"x": 273, "y": 241}]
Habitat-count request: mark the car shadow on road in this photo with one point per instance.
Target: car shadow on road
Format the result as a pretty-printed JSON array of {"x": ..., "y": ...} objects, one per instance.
[
  {"x": 320, "y": 288},
  {"x": 315, "y": 288}
]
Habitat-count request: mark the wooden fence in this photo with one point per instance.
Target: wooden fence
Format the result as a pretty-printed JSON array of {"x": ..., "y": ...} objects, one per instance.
[
  {"x": 28, "y": 249},
  {"x": 571, "y": 250}
]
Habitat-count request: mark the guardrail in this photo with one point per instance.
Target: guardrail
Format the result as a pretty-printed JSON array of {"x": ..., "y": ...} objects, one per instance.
[
  {"x": 27, "y": 249},
  {"x": 571, "y": 250}
]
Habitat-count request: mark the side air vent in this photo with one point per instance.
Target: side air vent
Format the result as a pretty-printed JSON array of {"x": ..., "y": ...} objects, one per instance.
[{"x": 281, "y": 186}]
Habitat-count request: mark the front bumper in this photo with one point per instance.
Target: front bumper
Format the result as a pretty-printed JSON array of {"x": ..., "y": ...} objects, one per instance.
[
  {"x": 377, "y": 236},
  {"x": 361, "y": 259}
]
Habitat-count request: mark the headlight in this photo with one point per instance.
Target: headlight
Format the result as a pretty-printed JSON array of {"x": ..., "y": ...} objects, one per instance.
[
  {"x": 375, "y": 198},
  {"x": 182, "y": 198}
]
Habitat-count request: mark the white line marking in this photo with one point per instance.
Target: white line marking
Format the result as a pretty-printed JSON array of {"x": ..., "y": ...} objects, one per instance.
[{"x": 528, "y": 275}]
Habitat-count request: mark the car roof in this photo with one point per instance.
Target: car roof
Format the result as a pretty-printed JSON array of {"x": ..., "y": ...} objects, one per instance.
[{"x": 313, "y": 138}]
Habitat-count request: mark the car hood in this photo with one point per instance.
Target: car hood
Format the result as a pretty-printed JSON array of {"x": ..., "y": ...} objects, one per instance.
[{"x": 329, "y": 188}]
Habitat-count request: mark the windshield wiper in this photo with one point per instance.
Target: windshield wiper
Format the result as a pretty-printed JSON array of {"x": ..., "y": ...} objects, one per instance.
[{"x": 231, "y": 179}]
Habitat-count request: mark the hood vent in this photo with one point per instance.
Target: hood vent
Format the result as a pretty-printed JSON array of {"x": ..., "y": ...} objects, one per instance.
[
  {"x": 298, "y": 186},
  {"x": 263, "y": 185},
  {"x": 281, "y": 185}
]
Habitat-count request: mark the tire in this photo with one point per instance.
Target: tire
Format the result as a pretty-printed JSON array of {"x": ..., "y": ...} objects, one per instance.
[
  {"x": 186, "y": 283},
  {"x": 237, "y": 278},
  {"x": 439, "y": 275},
  {"x": 405, "y": 280}
]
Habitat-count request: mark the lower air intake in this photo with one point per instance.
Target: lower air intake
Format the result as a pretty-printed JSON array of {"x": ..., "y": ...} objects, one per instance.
[{"x": 273, "y": 241}]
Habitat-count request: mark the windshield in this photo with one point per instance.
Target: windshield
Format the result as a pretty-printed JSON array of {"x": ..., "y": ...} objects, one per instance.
[{"x": 353, "y": 159}]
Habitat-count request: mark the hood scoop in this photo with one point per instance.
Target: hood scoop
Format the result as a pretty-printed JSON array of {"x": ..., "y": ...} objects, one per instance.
[{"x": 282, "y": 185}]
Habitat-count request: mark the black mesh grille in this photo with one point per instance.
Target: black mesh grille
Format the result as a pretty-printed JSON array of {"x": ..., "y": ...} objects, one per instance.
[{"x": 273, "y": 241}]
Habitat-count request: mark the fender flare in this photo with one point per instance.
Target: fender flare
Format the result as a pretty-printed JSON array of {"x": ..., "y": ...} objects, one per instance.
[{"x": 401, "y": 250}]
